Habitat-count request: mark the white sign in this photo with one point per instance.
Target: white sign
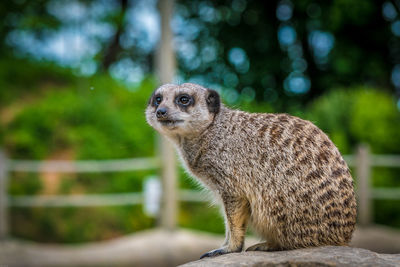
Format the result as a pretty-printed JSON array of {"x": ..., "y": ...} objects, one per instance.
[{"x": 152, "y": 195}]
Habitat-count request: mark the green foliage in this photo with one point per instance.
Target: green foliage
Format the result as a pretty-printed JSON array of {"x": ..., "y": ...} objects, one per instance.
[
  {"x": 80, "y": 118},
  {"x": 376, "y": 120},
  {"x": 256, "y": 107},
  {"x": 202, "y": 217},
  {"x": 100, "y": 119},
  {"x": 21, "y": 78},
  {"x": 355, "y": 115},
  {"x": 357, "y": 27},
  {"x": 24, "y": 184},
  {"x": 387, "y": 212},
  {"x": 352, "y": 12},
  {"x": 331, "y": 114}
]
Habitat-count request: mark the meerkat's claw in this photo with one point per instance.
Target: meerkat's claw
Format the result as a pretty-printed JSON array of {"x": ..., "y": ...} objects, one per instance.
[
  {"x": 217, "y": 252},
  {"x": 260, "y": 247},
  {"x": 213, "y": 253}
]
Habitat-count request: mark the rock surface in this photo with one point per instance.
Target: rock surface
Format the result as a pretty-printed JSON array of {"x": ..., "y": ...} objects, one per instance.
[
  {"x": 322, "y": 256},
  {"x": 160, "y": 248}
]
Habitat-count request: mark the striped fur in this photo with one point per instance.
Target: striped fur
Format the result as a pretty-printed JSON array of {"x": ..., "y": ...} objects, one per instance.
[{"x": 277, "y": 173}]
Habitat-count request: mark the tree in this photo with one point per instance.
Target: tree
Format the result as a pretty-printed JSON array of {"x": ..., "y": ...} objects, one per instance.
[
  {"x": 289, "y": 52},
  {"x": 282, "y": 52},
  {"x": 111, "y": 53}
]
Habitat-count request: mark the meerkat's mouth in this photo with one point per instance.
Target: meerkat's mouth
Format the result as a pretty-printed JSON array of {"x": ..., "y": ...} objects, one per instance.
[{"x": 170, "y": 122}]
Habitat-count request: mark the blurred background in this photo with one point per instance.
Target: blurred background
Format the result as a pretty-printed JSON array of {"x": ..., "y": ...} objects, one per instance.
[{"x": 79, "y": 163}]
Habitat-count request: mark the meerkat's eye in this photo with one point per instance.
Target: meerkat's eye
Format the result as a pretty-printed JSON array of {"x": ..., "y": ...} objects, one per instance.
[
  {"x": 157, "y": 100},
  {"x": 183, "y": 100}
]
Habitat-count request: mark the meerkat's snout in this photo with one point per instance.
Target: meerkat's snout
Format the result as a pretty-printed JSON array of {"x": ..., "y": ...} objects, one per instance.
[
  {"x": 164, "y": 118},
  {"x": 161, "y": 113}
]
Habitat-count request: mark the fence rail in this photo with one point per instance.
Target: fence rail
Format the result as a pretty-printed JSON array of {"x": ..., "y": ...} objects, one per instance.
[
  {"x": 63, "y": 166},
  {"x": 362, "y": 161},
  {"x": 96, "y": 200},
  {"x": 376, "y": 160},
  {"x": 77, "y": 200},
  {"x": 388, "y": 161}
]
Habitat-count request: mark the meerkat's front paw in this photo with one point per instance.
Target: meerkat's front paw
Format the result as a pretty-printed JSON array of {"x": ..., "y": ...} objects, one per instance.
[
  {"x": 260, "y": 247},
  {"x": 213, "y": 253},
  {"x": 219, "y": 251}
]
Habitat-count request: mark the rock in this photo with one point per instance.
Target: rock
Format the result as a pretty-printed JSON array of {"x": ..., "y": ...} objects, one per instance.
[
  {"x": 162, "y": 248},
  {"x": 378, "y": 238},
  {"x": 309, "y": 257}
]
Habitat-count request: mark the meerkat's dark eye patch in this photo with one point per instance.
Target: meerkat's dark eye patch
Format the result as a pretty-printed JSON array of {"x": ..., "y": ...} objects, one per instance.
[
  {"x": 184, "y": 100},
  {"x": 157, "y": 100}
]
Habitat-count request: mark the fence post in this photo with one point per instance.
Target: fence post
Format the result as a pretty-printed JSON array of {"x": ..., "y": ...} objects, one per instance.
[
  {"x": 3, "y": 196},
  {"x": 363, "y": 172},
  {"x": 165, "y": 65}
]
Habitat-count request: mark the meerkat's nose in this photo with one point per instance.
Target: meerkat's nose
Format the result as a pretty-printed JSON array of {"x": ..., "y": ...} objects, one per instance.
[{"x": 161, "y": 113}]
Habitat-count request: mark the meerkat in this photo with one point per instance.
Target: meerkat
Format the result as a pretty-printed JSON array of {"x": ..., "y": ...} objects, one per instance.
[{"x": 277, "y": 173}]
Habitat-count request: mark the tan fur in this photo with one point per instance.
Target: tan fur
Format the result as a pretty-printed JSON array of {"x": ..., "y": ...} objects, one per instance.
[{"x": 278, "y": 173}]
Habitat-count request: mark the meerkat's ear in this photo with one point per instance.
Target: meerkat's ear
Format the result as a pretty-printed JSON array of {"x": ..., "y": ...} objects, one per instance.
[{"x": 213, "y": 101}]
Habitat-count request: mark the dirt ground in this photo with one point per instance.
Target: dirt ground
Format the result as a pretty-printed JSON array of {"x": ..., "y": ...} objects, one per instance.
[{"x": 156, "y": 248}]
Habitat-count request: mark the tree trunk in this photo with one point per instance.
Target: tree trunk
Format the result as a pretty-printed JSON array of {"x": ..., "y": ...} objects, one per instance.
[{"x": 111, "y": 54}]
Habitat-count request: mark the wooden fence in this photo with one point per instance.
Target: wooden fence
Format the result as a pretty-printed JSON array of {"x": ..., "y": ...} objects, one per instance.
[
  {"x": 362, "y": 161},
  {"x": 85, "y": 166}
]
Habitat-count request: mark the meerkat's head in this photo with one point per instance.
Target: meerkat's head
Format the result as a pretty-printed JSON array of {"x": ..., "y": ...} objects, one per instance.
[{"x": 182, "y": 110}]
